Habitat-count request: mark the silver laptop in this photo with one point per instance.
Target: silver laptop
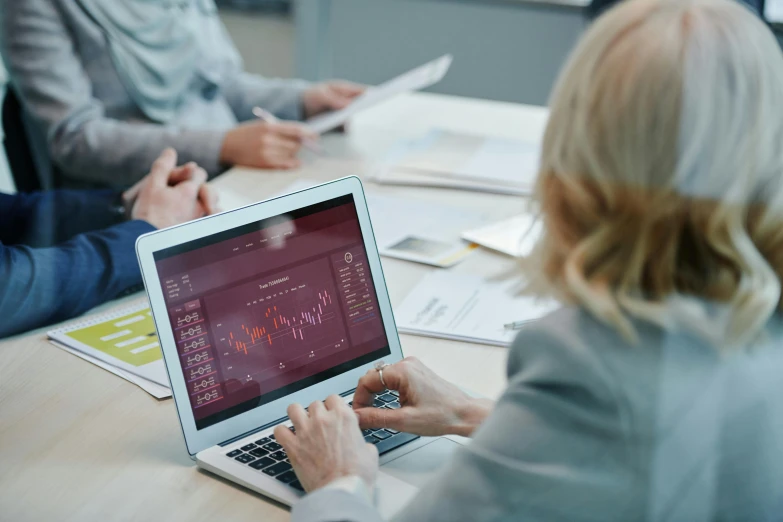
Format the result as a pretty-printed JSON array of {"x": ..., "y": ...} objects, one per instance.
[{"x": 279, "y": 302}]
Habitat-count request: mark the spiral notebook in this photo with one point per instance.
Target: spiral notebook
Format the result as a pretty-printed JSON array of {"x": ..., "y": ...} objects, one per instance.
[{"x": 123, "y": 342}]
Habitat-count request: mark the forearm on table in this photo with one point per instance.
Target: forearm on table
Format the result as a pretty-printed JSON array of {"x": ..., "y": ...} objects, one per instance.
[
  {"x": 43, "y": 219},
  {"x": 47, "y": 285},
  {"x": 116, "y": 153}
]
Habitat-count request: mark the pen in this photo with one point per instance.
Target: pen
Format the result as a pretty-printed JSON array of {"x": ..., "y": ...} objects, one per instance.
[
  {"x": 516, "y": 325},
  {"x": 268, "y": 117}
]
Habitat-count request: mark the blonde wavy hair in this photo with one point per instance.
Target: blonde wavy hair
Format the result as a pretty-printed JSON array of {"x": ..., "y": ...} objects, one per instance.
[{"x": 660, "y": 186}]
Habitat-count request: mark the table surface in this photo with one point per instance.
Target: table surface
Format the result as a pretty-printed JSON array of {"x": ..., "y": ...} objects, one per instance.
[{"x": 78, "y": 443}]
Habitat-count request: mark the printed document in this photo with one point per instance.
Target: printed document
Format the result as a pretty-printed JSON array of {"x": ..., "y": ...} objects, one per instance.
[
  {"x": 125, "y": 339},
  {"x": 414, "y": 80},
  {"x": 156, "y": 390},
  {"x": 465, "y": 307},
  {"x": 514, "y": 237},
  {"x": 448, "y": 159}
]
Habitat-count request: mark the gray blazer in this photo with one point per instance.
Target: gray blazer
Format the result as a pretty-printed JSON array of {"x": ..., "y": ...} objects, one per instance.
[
  {"x": 591, "y": 429},
  {"x": 60, "y": 65}
]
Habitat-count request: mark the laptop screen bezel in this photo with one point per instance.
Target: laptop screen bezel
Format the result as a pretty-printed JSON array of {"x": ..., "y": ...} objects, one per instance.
[{"x": 146, "y": 246}]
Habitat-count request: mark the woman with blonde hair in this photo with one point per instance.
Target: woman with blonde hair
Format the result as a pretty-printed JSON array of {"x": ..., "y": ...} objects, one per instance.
[{"x": 655, "y": 392}]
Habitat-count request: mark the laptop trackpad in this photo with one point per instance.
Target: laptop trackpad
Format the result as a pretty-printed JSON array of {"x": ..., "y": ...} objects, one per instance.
[{"x": 417, "y": 467}]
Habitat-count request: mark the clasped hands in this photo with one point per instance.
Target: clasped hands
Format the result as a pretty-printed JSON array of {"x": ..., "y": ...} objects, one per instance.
[
  {"x": 328, "y": 444},
  {"x": 171, "y": 195}
]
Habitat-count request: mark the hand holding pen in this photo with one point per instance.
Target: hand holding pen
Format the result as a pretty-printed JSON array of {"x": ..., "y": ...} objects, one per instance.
[
  {"x": 309, "y": 143},
  {"x": 266, "y": 144}
]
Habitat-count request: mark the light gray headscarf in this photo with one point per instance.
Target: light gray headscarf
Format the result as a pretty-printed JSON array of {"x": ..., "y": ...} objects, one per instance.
[{"x": 160, "y": 48}]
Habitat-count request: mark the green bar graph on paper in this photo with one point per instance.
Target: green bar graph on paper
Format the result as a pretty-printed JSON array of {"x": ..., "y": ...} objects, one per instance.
[{"x": 130, "y": 338}]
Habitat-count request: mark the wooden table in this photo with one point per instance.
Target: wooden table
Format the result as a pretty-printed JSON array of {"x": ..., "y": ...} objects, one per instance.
[{"x": 77, "y": 443}]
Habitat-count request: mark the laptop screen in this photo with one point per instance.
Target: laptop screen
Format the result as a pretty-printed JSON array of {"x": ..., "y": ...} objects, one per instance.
[{"x": 270, "y": 308}]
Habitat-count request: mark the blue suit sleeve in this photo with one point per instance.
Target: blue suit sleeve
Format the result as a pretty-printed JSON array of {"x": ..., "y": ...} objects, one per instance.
[
  {"x": 44, "y": 219},
  {"x": 40, "y": 286}
]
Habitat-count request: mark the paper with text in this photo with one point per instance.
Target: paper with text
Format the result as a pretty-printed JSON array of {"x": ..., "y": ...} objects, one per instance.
[
  {"x": 442, "y": 158},
  {"x": 466, "y": 307},
  {"x": 156, "y": 390},
  {"x": 125, "y": 339},
  {"x": 414, "y": 80}
]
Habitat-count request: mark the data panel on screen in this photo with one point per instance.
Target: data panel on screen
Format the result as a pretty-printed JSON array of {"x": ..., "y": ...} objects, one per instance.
[{"x": 267, "y": 309}]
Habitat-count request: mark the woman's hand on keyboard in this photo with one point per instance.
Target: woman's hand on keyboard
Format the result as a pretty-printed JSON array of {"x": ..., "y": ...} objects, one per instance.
[
  {"x": 327, "y": 444},
  {"x": 431, "y": 406}
]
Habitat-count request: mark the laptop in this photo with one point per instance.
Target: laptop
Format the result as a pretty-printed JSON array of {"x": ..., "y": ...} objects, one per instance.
[{"x": 278, "y": 302}]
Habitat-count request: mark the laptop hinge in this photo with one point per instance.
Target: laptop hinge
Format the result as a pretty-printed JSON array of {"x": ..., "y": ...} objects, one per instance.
[{"x": 269, "y": 425}]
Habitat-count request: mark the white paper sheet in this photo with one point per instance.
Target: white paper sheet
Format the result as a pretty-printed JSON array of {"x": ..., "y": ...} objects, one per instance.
[
  {"x": 514, "y": 237},
  {"x": 119, "y": 341},
  {"x": 394, "y": 220},
  {"x": 465, "y": 307},
  {"x": 414, "y": 80},
  {"x": 504, "y": 161},
  {"x": 153, "y": 388},
  {"x": 412, "y": 178},
  {"x": 442, "y": 158}
]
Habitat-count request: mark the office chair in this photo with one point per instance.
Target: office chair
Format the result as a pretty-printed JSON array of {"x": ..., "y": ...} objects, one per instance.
[{"x": 17, "y": 145}]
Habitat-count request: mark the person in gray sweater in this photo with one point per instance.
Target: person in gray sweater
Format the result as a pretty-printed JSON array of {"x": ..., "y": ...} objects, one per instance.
[
  {"x": 108, "y": 84},
  {"x": 654, "y": 393}
]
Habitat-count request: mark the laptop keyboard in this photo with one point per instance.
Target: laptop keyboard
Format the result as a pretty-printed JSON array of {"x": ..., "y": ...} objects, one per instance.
[
  {"x": 387, "y": 439},
  {"x": 268, "y": 457}
]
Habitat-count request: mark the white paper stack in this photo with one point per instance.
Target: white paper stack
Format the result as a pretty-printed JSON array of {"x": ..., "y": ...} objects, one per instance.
[
  {"x": 447, "y": 159},
  {"x": 123, "y": 342},
  {"x": 514, "y": 237}
]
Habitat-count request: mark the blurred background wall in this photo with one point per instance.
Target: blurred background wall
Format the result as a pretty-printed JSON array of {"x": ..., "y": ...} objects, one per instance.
[
  {"x": 264, "y": 31},
  {"x": 508, "y": 50},
  {"x": 371, "y": 40}
]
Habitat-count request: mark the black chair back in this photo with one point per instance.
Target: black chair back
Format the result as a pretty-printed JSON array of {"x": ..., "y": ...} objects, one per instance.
[{"x": 17, "y": 145}]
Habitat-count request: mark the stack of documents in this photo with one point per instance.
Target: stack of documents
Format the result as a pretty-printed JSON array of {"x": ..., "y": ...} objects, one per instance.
[
  {"x": 451, "y": 160},
  {"x": 123, "y": 343},
  {"x": 416, "y": 231},
  {"x": 465, "y": 307},
  {"x": 514, "y": 237}
]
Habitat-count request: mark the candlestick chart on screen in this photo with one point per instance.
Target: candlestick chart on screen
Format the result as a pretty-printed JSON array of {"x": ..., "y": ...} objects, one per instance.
[{"x": 280, "y": 326}]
